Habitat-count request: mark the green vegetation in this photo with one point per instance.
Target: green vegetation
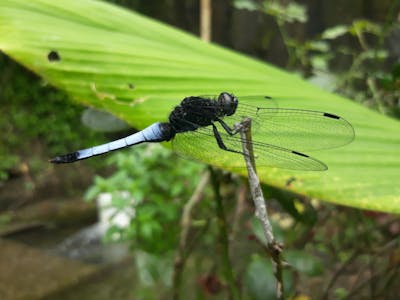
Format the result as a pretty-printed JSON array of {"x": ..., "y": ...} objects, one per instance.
[
  {"x": 153, "y": 182},
  {"x": 366, "y": 80},
  {"x": 164, "y": 64},
  {"x": 138, "y": 69},
  {"x": 31, "y": 119}
]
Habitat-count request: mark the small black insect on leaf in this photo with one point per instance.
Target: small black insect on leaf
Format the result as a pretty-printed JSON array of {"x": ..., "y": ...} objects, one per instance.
[
  {"x": 131, "y": 86},
  {"x": 53, "y": 56}
]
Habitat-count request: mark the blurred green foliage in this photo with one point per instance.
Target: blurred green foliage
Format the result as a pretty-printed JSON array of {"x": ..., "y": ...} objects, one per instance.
[
  {"x": 368, "y": 79},
  {"x": 155, "y": 184},
  {"x": 31, "y": 119}
]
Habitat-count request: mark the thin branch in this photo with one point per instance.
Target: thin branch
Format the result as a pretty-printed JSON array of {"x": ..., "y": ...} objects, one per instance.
[
  {"x": 352, "y": 294},
  {"x": 183, "y": 250},
  {"x": 240, "y": 207},
  {"x": 390, "y": 280},
  {"x": 275, "y": 249},
  {"x": 338, "y": 272},
  {"x": 224, "y": 240},
  {"x": 187, "y": 209},
  {"x": 205, "y": 20}
]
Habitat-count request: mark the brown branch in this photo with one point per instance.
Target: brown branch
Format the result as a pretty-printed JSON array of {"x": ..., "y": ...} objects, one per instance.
[
  {"x": 205, "y": 20},
  {"x": 275, "y": 249},
  {"x": 240, "y": 207},
  {"x": 338, "y": 272},
  {"x": 356, "y": 289}
]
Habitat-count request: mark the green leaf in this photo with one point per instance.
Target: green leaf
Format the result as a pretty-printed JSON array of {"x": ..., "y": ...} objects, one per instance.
[
  {"x": 287, "y": 13},
  {"x": 334, "y": 32},
  {"x": 259, "y": 281},
  {"x": 359, "y": 26},
  {"x": 320, "y": 46},
  {"x": 139, "y": 69},
  {"x": 304, "y": 262},
  {"x": 341, "y": 293},
  {"x": 245, "y": 4}
]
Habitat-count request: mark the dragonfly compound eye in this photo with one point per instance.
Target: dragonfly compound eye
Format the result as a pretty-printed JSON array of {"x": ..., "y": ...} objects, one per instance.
[{"x": 228, "y": 102}]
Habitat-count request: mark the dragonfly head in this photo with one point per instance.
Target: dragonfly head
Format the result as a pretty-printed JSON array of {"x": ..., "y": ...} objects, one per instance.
[{"x": 228, "y": 102}]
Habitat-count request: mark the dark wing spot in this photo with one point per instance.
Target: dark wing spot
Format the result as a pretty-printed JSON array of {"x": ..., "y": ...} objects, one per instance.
[
  {"x": 53, "y": 56},
  {"x": 331, "y": 116},
  {"x": 301, "y": 154}
]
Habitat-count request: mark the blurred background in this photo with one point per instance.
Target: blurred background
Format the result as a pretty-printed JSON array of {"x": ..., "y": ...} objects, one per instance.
[{"x": 103, "y": 230}]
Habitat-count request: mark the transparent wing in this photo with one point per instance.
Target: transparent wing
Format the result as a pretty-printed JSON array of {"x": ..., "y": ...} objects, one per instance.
[
  {"x": 201, "y": 145},
  {"x": 275, "y": 131},
  {"x": 291, "y": 128},
  {"x": 296, "y": 129}
]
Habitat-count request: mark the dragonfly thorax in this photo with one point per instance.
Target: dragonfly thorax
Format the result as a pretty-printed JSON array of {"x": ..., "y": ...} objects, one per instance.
[{"x": 195, "y": 112}]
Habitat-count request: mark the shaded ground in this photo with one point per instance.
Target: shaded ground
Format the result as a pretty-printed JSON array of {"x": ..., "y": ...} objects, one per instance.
[
  {"x": 117, "y": 281},
  {"x": 29, "y": 273}
]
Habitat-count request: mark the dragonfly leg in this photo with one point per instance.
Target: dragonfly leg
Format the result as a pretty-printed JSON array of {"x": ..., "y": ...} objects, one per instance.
[
  {"x": 220, "y": 142},
  {"x": 228, "y": 130}
]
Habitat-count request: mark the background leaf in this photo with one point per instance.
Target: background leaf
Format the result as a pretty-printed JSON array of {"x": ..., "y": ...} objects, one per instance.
[
  {"x": 139, "y": 69},
  {"x": 334, "y": 32}
]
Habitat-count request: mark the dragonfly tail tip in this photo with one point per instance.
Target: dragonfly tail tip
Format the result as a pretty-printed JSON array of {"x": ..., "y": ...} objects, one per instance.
[
  {"x": 63, "y": 159},
  {"x": 56, "y": 160}
]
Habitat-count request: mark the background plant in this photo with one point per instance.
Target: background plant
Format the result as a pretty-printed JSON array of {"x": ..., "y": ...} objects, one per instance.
[
  {"x": 370, "y": 76},
  {"x": 152, "y": 181},
  {"x": 29, "y": 121}
]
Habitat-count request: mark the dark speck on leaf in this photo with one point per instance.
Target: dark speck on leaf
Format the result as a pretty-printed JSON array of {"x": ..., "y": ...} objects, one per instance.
[
  {"x": 131, "y": 86},
  {"x": 289, "y": 181},
  {"x": 53, "y": 56}
]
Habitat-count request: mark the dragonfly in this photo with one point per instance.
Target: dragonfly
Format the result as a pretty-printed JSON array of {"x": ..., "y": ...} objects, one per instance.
[{"x": 200, "y": 127}]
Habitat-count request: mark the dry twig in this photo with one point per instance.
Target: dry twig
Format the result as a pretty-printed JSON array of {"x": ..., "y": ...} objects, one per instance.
[
  {"x": 275, "y": 249},
  {"x": 186, "y": 221}
]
